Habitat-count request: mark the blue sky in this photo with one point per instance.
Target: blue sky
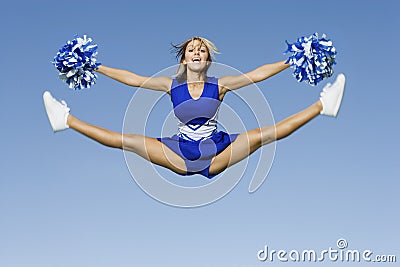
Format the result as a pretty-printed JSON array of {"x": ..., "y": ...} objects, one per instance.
[{"x": 67, "y": 201}]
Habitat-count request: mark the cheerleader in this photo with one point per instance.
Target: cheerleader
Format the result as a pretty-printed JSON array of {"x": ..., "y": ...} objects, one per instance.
[{"x": 198, "y": 147}]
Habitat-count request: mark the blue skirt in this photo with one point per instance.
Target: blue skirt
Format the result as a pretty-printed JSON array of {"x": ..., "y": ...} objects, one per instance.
[{"x": 198, "y": 154}]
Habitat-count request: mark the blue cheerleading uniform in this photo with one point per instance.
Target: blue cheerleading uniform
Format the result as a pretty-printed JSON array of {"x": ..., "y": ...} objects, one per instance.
[{"x": 198, "y": 140}]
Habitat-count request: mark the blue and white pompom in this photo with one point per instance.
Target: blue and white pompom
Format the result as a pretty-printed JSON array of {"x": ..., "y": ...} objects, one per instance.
[
  {"x": 76, "y": 62},
  {"x": 312, "y": 58}
]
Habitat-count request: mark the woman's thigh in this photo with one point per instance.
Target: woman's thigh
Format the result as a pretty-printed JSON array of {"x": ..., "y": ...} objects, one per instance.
[{"x": 154, "y": 151}]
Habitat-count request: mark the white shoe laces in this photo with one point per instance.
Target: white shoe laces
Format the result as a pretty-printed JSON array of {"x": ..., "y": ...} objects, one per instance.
[
  {"x": 62, "y": 103},
  {"x": 325, "y": 89}
]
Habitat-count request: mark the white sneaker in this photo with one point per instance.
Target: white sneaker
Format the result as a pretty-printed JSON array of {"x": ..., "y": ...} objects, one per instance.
[
  {"x": 331, "y": 96},
  {"x": 57, "y": 112}
]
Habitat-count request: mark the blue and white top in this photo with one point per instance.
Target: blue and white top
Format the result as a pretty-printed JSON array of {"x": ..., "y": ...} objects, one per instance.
[
  {"x": 198, "y": 140},
  {"x": 197, "y": 118}
]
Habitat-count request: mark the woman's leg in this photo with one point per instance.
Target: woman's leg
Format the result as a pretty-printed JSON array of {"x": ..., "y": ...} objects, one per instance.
[
  {"x": 248, "y": 142},
  {"x": 146, "y": 147},
  {"x": 149, "y": 148}
]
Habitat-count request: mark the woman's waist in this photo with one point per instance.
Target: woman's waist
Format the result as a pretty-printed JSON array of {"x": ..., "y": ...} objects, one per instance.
[{"x": 196, "y": 132}]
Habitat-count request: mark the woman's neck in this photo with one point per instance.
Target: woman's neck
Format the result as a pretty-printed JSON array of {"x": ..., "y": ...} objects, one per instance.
[{"x": 195, "y": 77}]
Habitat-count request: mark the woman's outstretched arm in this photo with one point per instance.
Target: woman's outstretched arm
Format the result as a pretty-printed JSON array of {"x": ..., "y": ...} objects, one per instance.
[
  {"x": 135, "y": 80},
  {"x": 257, "y": 75}
]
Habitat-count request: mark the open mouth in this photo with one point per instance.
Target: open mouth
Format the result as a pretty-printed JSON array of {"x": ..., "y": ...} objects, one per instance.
[{"x": 196, "y": 59}]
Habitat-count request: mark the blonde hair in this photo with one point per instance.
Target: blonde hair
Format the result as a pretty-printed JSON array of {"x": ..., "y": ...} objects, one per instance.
[{"x": 180, "y": 50}]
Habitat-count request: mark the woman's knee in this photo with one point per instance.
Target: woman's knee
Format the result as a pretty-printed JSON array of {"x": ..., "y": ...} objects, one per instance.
[
  {"x": 284, "y": 129},
  {"x": 268, "y": 135},
  {"x": 132, "y": 142},
  {"x": 261, "y": 136},
  {"x": 113, "y": 139}
]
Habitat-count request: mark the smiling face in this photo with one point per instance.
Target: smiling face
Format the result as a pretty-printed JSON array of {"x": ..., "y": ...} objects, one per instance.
[{"x": 196, "y": 56}]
